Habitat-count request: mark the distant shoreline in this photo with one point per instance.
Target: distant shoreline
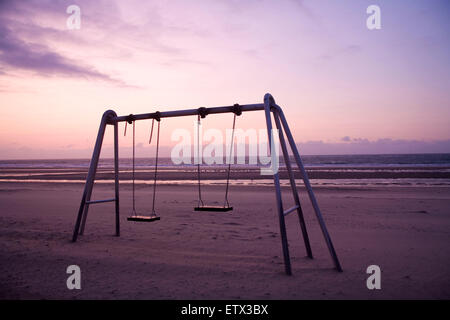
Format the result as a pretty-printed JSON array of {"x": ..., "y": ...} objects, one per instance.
[
  {"x": 348, "y": 170},
  {"x": 405, "y": 176}
]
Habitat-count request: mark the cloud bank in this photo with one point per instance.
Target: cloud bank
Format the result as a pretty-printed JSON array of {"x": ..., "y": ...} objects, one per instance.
[{"x": 349, "y": 145}]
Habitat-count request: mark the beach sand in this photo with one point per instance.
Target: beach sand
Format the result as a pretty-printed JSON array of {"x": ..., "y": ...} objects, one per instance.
[{"x": 234, "y": 255}]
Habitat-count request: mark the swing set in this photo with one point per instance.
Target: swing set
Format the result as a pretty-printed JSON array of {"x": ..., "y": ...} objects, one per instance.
[{"x": 270, "y": 108}]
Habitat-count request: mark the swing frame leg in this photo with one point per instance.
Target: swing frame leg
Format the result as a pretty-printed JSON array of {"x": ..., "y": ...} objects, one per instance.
[
  {"x": 311, "y": 195},
  {"x": 268, "y": 101},
  {"x": 293, "y": 185},
  {"x": 86, "y": 198}
]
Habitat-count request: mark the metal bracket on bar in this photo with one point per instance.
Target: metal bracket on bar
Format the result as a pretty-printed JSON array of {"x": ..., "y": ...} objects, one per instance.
[
  {"x": 203, "y": 112},
  {"x": 290, "y": 210},
  {"x": 101, "y": 201},
  {"x": 130, "y": 118},
  {"x": 236, "y": 109}
]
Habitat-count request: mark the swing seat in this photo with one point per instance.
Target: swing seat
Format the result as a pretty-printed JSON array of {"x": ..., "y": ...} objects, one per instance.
[
  {"x": 143, "y": 218},
  {"x": 213, "y": 208}
]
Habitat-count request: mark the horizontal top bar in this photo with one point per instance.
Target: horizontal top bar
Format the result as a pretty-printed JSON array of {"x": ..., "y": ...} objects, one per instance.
[{"x": 189, "y": 112}]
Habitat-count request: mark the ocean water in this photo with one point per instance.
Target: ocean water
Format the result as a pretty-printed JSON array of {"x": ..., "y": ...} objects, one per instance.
[
  {"x": 334, "y": 171},
  {"x": 322, "y": 161}
]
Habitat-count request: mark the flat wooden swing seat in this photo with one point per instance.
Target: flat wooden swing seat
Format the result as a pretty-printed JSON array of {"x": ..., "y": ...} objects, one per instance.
[
  {"x": 213, "y": 208},
  {"x": 143, "y": 218}
]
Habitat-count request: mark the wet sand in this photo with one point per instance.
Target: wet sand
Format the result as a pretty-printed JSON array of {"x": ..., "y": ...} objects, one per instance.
[{"x": 237, "y": 255}]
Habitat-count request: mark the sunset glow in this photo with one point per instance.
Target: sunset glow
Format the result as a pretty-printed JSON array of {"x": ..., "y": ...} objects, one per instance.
[{"x": 338, "y": 82}]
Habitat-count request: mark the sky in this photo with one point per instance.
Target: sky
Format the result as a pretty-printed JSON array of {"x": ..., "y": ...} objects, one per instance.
[{"x": 344, "y": 88}]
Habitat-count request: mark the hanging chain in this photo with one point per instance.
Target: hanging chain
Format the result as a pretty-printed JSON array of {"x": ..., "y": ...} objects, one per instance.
[
  {"x": 134, "y": 156},
  {"x": 200, "y": 201},
  {"x": 156, "y": 167},
  {"x": 151, "y": 131},
  {"x": 226, "y": 203}
]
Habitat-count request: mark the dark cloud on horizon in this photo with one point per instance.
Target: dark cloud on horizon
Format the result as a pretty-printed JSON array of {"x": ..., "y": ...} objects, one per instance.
[
  {"x": 346, "y": 139},
  {"x": 350, "y": 145}
]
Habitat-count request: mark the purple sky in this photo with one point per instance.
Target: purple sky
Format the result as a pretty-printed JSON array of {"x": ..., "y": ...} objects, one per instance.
[{"x": 344, "y": 88}]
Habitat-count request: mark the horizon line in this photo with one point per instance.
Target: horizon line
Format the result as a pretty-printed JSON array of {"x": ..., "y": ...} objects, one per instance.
[{"x": 310, "y": 155}]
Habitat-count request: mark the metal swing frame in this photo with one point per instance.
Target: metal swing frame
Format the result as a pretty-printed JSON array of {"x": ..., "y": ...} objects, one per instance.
[{"x": 271, "y": 109}]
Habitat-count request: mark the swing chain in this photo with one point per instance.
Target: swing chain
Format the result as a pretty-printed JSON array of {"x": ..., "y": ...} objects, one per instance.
[
  {"x": 237, "y": 112},
  {"x": 157, "y": 118},
  {"x": 156, "y": 168},
  {"x": 133, "y": 172},
  {"x": 130, "y": 120},
  {"x": 200, "y": 201}
]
